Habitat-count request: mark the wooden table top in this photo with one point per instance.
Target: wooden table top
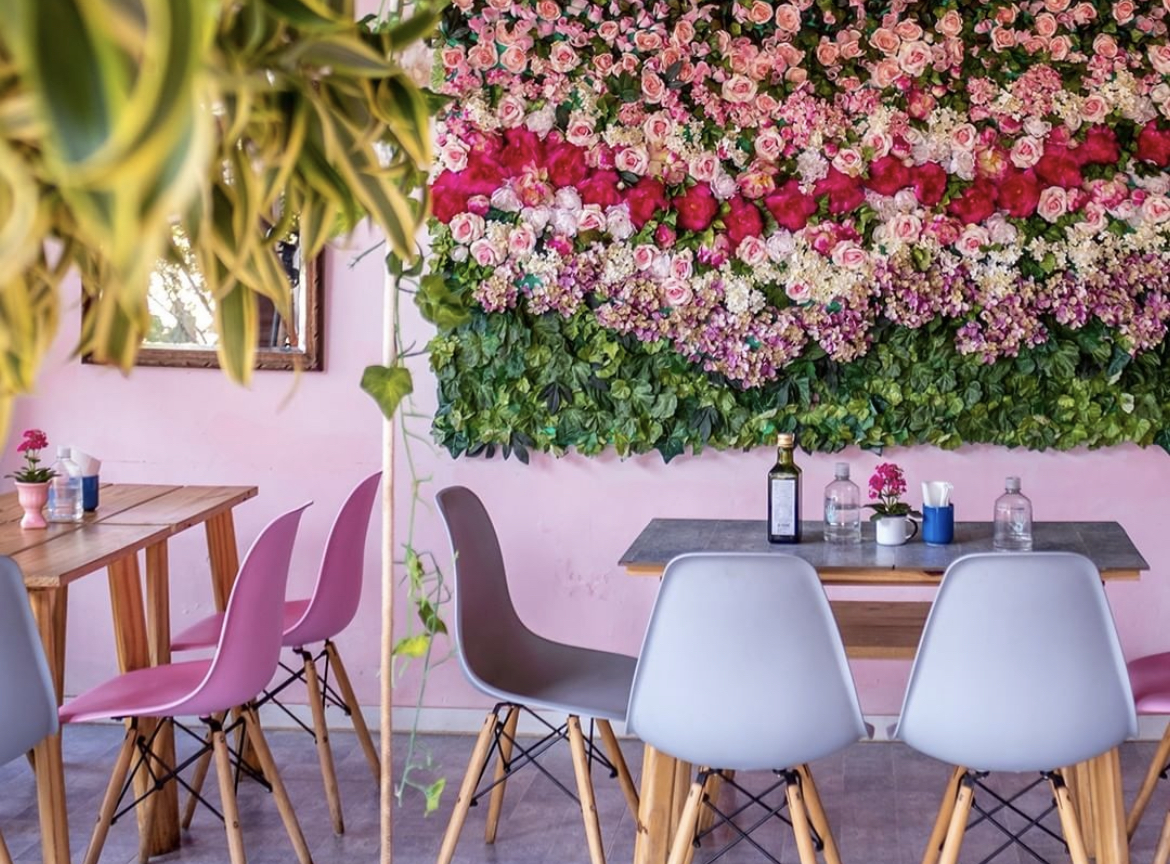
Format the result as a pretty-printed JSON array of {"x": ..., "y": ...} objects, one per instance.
[
  {"x": 1105, "y": 543},
  {"x": 129, "y": 518}
]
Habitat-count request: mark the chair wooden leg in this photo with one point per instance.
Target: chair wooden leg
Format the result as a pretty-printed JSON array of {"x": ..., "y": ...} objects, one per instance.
[
  {"x": 958, "y": 824},
  {"x": 614, "y": 751},
  {"x": 199, "y": 776},
  {"x": 1069, "y": 823},
  {"x": 467, "y": 790},
  {"x": 1162, "y": 853},
  {"x": 1160, "y": 760},
  {"x": 684, "y": 836},
  {"x": 943, "y": 820},
  {"x": 817, "y": 815},
  {"x": 113, "y": 790},
  {"x": 324, "y": 751},
  {"x": 227, "y": 794},
  {"x": 798, "y": 813},
  {"x": 287, "y": 815},
  {"x": 355, "y": 711},
  {"x": 504, "y": 754},
  {"x": 5, "y": 855},
  {"x": 585, "y": 791}
]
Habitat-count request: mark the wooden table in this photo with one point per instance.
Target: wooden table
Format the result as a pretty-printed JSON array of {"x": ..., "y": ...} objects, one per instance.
[
  {"x": 131, "y": 518},
  {"x": 877, "y": 630}
]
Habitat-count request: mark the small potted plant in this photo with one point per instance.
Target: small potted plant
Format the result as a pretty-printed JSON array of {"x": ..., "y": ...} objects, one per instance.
[
  {"x": 892, "y": 515},
  {"x": 32, "y": 481}
]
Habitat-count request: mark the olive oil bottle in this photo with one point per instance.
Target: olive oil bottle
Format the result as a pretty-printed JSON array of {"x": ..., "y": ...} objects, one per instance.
[{"x": 784, "y": 494}]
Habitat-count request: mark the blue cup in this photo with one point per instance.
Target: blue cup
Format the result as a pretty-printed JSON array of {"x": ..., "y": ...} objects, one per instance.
[
  {"x": 938, "y": 525},
  {"x": 89, "y": 493}
]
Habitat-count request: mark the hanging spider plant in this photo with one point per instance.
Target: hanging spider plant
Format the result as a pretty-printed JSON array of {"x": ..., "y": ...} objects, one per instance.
[{"x": 124, "y": 120}]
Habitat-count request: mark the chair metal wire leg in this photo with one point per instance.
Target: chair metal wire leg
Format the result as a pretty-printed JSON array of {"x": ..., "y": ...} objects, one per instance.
[
  {"x": 287, "y": 815},
  {"x": 354, "y": 710},
  {"x": 475, "y": 766},
  {"x": 227, "y": 794},
  {"x": 958, "y": 824},
  {"x": 499, "y": 780},
  {"x": 113, "y": 793},
  {"x": 321, "y": 734},
  {"x": 585, "y": 791},
  {"x": 197, "y": 781},
  {"x": 1158, "y": 767}
]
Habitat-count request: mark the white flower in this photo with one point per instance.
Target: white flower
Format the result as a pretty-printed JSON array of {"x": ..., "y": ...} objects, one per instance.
[
  {"x": 542, "y": 121},
  {"x": 537, "y": 217},
  {"x": 812, "y": 166},
  {"x": 723, "y": 185},
  {"x": 567, "y": 198},
  {"x": 564, "y": 222},
  {"x": 617, "y": 222},
  {"x": 506, "y": 200},
  {"x": 780, "y": 245}
]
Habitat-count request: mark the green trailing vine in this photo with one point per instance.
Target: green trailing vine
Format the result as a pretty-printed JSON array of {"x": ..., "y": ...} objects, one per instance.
[{"x": 513, "y": 383}]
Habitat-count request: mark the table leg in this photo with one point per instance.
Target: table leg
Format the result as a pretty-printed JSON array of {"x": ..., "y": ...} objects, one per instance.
[
  {"x": 1108, "y": 809},
  {"x": 656, "y": 814},
  {"x": 48, "y": 606},
  {"x": 138, "y": 646}
]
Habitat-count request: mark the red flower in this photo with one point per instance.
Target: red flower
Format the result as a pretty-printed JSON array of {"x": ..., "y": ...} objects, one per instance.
[
  {"x": 1099, "y": 147},
  {"x": 522, "y": 147},
  {"x": 1153, "y": 145},
  {"x": 845, "y": 193},
  {"x": 447, "y": 196},
  {"x": 744, "y": 220},
  {"x": 930, "y": 182},
  {"x": 1059, "y": 167},
  {"x": 34, "y": 439},
  {"x": 888, "y": 175},
  {"x": 566, "y": 164},
  {"x": 696, "y": 208},
  {"x": 1019, "y": 193},
  {"x": 601, "y": 189},
  {"x": 646, "y": 198},
  {"x": 975, "y": 204},
  {"x": 790, "y": 207}
]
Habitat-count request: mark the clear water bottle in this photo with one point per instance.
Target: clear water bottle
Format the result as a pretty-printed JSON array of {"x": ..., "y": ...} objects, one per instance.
[
  {"x": 842, "y": 508},
  {"x": 65, "y": 490},
  {"x": 1013, "y": 519}
]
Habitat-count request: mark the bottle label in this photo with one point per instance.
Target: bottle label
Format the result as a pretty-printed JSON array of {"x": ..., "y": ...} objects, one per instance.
[{"x": 782, "y": 519}]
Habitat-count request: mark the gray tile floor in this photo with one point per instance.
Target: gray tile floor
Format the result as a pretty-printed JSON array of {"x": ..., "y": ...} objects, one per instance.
[{"x": 881, "y": 799}]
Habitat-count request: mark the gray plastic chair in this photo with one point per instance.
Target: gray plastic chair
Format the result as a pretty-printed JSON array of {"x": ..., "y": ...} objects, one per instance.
[
  {"x": 505, "y": 660},
  {"x": 1019, "y": 669},
  {"x": 776, "y": 691},
  {"x": 28, "y": 701}
]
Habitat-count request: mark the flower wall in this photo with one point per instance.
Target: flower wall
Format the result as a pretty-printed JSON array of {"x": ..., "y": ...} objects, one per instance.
[{"x": 671, "y": 224}]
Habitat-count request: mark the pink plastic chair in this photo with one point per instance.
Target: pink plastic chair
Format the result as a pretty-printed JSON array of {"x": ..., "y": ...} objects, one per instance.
[
  {"x": 245, "y": 659},
  {"x": 1150, "y": 679},
  {"x": 319, "y": 618}
]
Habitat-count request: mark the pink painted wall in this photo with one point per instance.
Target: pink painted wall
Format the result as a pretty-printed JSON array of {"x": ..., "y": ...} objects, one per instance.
[{"x": 563, "y": 523}]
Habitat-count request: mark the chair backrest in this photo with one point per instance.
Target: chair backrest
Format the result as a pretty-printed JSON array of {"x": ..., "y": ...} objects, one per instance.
[
  {"x": 28, "y": 701},
  {"x": 489, "y": 636},
  {"x": 249, "y": 644},
  {"x": 1019, "y": 667},
  {"x": 339, "y": 581},
  {"x": 742, "y": 666}
]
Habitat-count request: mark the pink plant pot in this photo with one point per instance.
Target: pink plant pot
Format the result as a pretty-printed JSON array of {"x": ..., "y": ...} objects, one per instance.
[{"x": 33, "y": 497}]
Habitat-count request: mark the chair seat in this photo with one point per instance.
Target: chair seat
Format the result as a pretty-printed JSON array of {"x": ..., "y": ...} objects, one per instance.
[
  {"x": 150, "y": 692},
  {"x": 563, "y": 678},
  {"x": 205, "y": 632},
  {"x": 1150, "y": 679}
]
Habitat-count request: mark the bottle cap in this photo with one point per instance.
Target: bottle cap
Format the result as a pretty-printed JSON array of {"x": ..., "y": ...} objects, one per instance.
[
  {"x": 842, "y": 470},
  {"x": 1012, "y": 484},
  {"x": 785, "y": 439}
]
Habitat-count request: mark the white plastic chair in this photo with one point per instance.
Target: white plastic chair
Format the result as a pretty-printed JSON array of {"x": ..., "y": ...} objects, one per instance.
[
  {"x": 505, "y": 660},
  {"x": 743, "y": 669},
  {"x": 1019, "y": 669},
  {"x": 28, "y": 701}
]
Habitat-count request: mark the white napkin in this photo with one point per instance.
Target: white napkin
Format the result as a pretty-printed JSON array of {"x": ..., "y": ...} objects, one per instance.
[
  {"x": 936, "y": 493},
  {"x": 89, "y": 466}
]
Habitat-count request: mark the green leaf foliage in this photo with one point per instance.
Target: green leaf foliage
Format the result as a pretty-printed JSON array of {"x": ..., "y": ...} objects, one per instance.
[
  {"x": 388, "y": 386},
  {"x": 511, "y": 383}
]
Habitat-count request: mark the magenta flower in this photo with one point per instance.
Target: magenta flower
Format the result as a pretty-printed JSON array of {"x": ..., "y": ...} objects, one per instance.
[
  {"x": 34, "y": 442},
  {"x": 887, "y": 486}
]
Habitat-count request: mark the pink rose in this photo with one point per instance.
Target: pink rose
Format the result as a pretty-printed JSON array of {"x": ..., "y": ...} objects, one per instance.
[
  {"x": 1002, "y": 39},
  {"x": 908, "y": 30},
  {"x": 769, "y": 145},
  {"x": 521, "y": 240},
  {"x": 644, "y": 256},
  {"x": 1006, "y": 14},
  {"x": 514, "y": 59},
  {"x": 790, "y": 207},
  {"x": 1026, "y": 152},
  {"x": 1160, "y": 58},
  {"x": 657, "y": 127},
  {"x": 752, "y": 251},
  {"x": 453, "y": 58},
  {"x": 1056, "y": 6},
  {"x": 1094, "y": 109},
  {"x": 1046, "y": 25},
  {"x": 510, "y": 111},
  {"x": 913, "y": 58},
  {"x": 827, "y": 53},
  {"x": 905, "y": 227},
  {"x": 676, "y": 293},
  {"x": 684, "y": 32},
  {"x": 1084, "y": 13},
  {"x": 1123, "y": 11},
  {"x": 739, "y": 89},
  {"x": 1105, "y": 46},
  {"x": 1035, "y": 44},
  {"x": 682, "y": 265},
  {"x": 760, "y": 13},
  {"x": 563, "y": 58},
  {"x": 919, "y": 104},
  {"x": 652, "y": 87},
  {"x": 485, "y": 254},
  {"x": 972, "y": 241},
  {"x": 609, "y": 30},
  {"x": 849, "y": 255},
  {"x": 482, "y": 56},
  {"x": 944, "y": 230},
  {"x": 647, "y": 41},
  {"x": 798, "y": 292},
  {"x": 645, "y": 200},
  {"x": 950, "y": 25},
  {"x": 705, "y": 166},
  {"x": 1018, "y": 193},
  {"x": 454, "y": 156},
  {"x": 884, "y": 40},
  {"x": 787, "y": 18},
  {"x": 632, "y": 160},
  {"x": 696, "y": 208},
  {"x": 742, "y": 220},
  {"x": 591, "y": 219},
  {"x": 466, "y": 228},
  {"x": 1053, "y": 203},
  {"x": 665, "y": 236},
  {"x": 548, "y": 10},
  {"x": 581, "y": 133},
  {"x": 886, "y": 72},
  {"x": 1156, "y": 209},
  {"x": 1059, "y": 48},
  {"x": 930, "y": 183},
  {"x": 848, "y": 161},
  {"x": 1094, "y": 220}
]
